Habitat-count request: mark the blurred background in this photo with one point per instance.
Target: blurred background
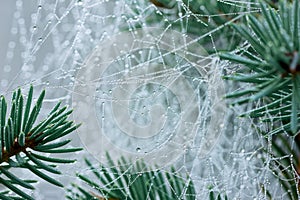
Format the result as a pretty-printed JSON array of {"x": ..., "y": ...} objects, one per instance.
[{"x": 6, "y": 10}]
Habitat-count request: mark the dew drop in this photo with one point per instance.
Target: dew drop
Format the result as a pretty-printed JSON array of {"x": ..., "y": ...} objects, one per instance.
[
  {"x": 138, "y": 149},
  {"x": 79, "y": 2}
]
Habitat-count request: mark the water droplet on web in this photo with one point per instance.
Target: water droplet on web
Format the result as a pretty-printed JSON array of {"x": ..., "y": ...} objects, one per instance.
[
  {"x": 209, "y": 18},
  {"x": 79, "y": 3},
  {"x": 259, "y": 156}
]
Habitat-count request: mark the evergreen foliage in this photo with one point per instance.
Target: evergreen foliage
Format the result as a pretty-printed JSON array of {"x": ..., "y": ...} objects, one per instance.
[
  {"x": 284, "y": 163},
  {"x": 273, "y": 63},
  {"x": 204, "y": 19},
  {"x": 25, "y": 143},
  {"x": 126, "y": 180}
]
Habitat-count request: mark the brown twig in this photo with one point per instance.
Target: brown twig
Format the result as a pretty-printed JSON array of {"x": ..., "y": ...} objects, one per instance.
[{"x": 16, "y": 148}]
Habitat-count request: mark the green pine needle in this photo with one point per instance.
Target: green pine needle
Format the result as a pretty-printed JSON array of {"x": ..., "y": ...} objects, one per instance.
[
  {"x": 20, "y": 138},
  {"x": 132, "y": 181},
  {"x": 275, "y": 41}
]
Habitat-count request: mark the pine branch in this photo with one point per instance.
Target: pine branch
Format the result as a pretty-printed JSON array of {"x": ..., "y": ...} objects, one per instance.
[
  {"x": 284, "y": 163},
  {"x": 200, "y": 17},
  {"x": 132, "y": 181},
  {"x": 23, "y": 143},
  {"x": 273, "y": 63},
  {"x": 196, "y": 18},
  {"x": 213, "y": 195},
  {"x": 273, "y": 68}
]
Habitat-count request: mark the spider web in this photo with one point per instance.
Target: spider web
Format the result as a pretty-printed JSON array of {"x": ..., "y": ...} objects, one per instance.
[{"x": 143, "y": 88}]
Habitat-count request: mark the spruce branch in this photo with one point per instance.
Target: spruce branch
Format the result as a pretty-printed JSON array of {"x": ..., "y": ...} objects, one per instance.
[
  {"x": 204, "y": 19},
  {"x": 23, "y": 143},
  {"x": 273, "y": 64},
  {"x": 213, "y": 195},
  {"x": 132, "y": 181},
  {"x": 200, "y": 17},
  {"x": 283, "y": 161}
]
